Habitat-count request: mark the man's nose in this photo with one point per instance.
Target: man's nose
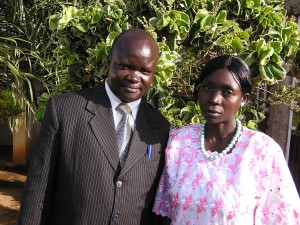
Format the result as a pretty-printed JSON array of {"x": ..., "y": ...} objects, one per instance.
[{"x": 134, "y": 75}]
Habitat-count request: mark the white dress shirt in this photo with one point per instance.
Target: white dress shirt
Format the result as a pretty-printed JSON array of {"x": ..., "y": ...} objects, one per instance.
[{"x": 115, "y": 101}]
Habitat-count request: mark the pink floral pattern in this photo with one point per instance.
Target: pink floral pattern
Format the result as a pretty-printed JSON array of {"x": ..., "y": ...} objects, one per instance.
[{"x": 251, "y": 185}]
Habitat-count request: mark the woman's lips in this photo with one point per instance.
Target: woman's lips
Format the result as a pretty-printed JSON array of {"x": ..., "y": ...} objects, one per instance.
[{"x": 212, "y": 113}]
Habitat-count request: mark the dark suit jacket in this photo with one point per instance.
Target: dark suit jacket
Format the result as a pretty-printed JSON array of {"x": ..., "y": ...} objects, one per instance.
[{"x": 74, "y": 177}]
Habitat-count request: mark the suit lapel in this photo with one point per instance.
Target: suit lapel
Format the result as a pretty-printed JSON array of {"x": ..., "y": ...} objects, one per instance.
[
  {"x": 102, "y": 124},
  {"x": 142, "y": 136}
]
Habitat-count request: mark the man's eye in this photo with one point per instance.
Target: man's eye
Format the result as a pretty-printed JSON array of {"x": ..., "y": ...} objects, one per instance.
[
  {"x": 145, "y": 72},
  {"x": 206, "y": 88},
  {"x": 123, "y": 67}
]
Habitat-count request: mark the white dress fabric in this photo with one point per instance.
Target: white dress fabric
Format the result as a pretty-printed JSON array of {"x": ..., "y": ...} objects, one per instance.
[{"x": 251, "y": 185}]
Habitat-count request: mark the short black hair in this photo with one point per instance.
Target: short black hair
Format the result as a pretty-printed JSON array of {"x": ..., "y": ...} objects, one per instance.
[
  {"x": 235, "y": 65},
  {"x": 138, "y": 33}
]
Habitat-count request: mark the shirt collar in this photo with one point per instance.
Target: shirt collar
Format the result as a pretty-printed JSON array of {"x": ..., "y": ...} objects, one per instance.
[{"x": 115, "y": 101}]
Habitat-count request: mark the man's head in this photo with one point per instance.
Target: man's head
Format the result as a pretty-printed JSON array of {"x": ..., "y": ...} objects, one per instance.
[{"x": 132, "y": 64}]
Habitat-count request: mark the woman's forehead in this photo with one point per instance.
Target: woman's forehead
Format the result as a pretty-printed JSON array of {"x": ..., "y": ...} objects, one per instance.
[{"x": 222, "y": 77}]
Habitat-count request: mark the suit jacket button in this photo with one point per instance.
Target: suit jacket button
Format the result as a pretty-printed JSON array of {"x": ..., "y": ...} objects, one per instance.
[
  {"x": 115, "y": 216},
  {"x": 119, "y": 183}
]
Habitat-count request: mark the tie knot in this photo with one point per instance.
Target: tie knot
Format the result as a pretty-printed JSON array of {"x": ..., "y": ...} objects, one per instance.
[{"x": 123, "y": 108}]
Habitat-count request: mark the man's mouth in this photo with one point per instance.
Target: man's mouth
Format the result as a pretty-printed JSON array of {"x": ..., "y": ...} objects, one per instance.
[{"x": 131, "y": 88}]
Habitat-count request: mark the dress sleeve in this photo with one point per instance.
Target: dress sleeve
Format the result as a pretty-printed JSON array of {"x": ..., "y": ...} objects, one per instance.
[
  {"x": 163, "y": 199},
  {"x": 280, "y": 203}
]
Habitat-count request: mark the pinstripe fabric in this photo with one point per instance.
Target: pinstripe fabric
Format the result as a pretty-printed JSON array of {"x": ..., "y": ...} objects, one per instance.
[{"x": 74, "y": 177}]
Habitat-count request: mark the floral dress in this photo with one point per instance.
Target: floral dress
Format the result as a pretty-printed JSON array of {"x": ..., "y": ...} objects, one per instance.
[{"x": 251, "y": 185}]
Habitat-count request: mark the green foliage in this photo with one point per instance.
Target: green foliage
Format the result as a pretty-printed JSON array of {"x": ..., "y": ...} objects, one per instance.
[
  {"x": 10, "y": 109},
  {"x": 252, "y": 114},
  {"x": 69, "y": 49},
  {"x": 26, "y": 52},
  {"x": 180, "y": 113},
  {"x": 288, "y": 95}
]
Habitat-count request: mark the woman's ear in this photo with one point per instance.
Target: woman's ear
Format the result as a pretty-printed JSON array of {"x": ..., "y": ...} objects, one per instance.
[{"x": 245, "y": 98}]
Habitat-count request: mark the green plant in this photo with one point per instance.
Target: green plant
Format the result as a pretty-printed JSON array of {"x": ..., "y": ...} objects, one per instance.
[
  {"x": 10, "y": 109},
  {"x": 72, "y": 47},
  {"x": 288, "y": 95},
  {"x": 26, "y": 59}
]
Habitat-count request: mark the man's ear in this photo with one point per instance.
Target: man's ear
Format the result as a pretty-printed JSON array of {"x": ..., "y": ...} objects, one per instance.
[{"x": 108, "y": 60}]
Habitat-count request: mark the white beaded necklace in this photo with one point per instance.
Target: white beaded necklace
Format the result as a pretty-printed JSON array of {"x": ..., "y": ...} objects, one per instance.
[{"x": 216, "y": 155}]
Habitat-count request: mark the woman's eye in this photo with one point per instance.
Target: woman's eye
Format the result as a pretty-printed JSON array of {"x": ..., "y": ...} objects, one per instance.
[{"x": 228, "y": 92}]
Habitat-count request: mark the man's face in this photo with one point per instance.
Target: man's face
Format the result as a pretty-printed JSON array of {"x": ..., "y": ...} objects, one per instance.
[{"x": 131, "y": 68}]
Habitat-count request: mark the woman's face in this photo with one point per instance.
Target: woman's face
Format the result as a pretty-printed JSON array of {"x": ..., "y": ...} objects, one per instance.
[{"x": 220, "y": 96}]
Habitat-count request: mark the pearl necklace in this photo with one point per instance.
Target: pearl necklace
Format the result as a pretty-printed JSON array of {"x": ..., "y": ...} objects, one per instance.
[{"x": 216, "y": 155}]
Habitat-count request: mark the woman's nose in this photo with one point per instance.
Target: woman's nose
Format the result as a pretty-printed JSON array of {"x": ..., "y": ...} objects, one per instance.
[{"x": 215, "y": 97}]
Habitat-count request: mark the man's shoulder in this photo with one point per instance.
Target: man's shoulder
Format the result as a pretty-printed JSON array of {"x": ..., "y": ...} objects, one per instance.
[
  {"x": 156, "y": 114},
  {"x": 75, "y": 95}
]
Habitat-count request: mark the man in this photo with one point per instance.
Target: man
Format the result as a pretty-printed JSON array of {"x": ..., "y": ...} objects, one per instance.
[{"x": 80, "y": 173}]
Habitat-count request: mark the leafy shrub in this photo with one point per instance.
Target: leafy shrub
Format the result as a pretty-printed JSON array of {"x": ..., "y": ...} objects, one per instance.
[
  {"x": 189, "y": 33},
  {"x": 10, "y": 109}
]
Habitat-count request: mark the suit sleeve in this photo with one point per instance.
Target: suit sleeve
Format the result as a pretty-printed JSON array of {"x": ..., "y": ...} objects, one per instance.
[{"x": 39, "y": 188}]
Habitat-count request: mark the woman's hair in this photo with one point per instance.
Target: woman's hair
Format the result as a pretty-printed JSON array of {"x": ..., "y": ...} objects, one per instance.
[{"x": 235, "y": 65}]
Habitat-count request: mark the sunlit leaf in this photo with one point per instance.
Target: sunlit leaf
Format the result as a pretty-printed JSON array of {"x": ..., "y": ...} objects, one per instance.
[
  {"x": 201, "y": 14},
  {"x": 205, "y": 22},
  {"x": 53, "y": 22},
  {"x": 221, "y": 17},
  {"x": 265, "y": 54},
  {"x": 237, "y": 45},
  {"x": 82, "y": 26},
  {"x": 275, "y": 70},
  {"x": 221, "y": 41}
]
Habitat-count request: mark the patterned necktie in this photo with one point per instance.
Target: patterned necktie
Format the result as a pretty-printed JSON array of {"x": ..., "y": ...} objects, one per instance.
[{"x": 123, "y": 132}]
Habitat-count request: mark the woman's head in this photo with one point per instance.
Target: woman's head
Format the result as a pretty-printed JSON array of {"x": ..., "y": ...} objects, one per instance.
[
  {"x": 225, "y": 85},
  {"x": 235, "y": 65}
]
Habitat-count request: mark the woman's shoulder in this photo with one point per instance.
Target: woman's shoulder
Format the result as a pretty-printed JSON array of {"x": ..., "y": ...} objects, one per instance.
[
  {"x": 256, "y": 135},
  {"x": 185, "y": 129},
  {"x": 259, "y": 138}
]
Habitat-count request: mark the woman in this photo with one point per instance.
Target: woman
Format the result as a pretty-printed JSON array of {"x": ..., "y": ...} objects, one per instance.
[{"x": 220, "y": 172}]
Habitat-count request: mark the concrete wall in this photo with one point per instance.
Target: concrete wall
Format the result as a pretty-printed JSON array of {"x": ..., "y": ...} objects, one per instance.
[
  {"x": 280, "y": 120},
  {"x": 24, "y": 141},
  {"x": 293, "y": 7},
  {"x": 6, "y": 137}
]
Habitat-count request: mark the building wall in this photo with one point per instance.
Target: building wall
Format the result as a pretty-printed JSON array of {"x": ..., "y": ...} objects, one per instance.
[
  {"x": 293, "y": 7},
  {"x": 279, "y": 122},
  {"x": 6, "y": 137}
]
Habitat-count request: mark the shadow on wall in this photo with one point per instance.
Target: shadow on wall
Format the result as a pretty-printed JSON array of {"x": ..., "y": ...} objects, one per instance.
[{"x": 294, "y": 159}]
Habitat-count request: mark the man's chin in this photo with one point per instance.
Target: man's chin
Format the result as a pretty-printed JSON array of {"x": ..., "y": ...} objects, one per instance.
[{"x": 130, "y": 97}]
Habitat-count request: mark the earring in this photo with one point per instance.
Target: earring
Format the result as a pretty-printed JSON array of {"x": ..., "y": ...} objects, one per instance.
[{"x": 242, "y": 104}]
